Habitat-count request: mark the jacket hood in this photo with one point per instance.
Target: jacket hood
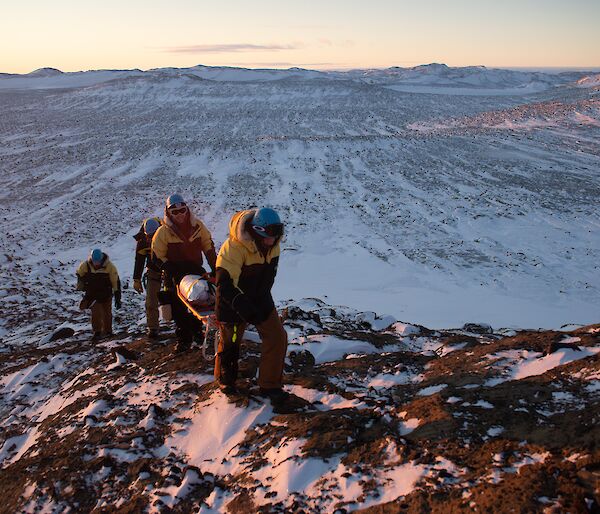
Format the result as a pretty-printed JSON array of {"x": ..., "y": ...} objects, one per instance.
[
  {"x": 238, "y": 231},
  {"x": 237, "y": 228}
]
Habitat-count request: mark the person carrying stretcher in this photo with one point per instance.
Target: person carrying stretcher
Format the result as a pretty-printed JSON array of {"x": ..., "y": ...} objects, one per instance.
[
  {"x": 246, "y": 269},
  {"x": 177, "y": 247}
]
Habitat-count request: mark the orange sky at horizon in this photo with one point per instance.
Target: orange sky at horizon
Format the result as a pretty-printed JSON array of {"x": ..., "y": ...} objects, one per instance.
[{"x": 72, "y": 36}]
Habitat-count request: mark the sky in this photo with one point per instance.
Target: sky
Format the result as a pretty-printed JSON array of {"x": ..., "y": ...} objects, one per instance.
[{"x": 74, "y": 35}]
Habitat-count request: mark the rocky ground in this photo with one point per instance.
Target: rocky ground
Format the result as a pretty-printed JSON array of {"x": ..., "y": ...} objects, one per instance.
[{"x": 382, "y": 417}]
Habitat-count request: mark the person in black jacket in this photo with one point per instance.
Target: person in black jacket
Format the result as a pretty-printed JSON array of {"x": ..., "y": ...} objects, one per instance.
[
  {"x": 98, "y": 278},
  {"x": 153, "y": 274},
  {"x": 177, "y": 247},
  {"x": 246, "y": 270}
]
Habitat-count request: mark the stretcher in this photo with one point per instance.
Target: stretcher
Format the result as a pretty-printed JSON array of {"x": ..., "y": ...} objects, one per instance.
[{"x": 206, "y": 314}]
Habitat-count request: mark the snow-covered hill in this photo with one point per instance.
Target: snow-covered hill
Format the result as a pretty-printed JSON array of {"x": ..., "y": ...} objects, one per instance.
[
  {"x": 432, "y": 209},
  {"x": 384, "y": 416},
  {"x": 443, "y": 209}
]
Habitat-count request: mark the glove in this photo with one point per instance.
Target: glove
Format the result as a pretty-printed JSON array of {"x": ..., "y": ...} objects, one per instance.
[
  {"x": 243, "y": 306},
  {"x": 137, "y": 285},
  {"x": 172, "y": 270},
  {"x": 117, "y": 299}
]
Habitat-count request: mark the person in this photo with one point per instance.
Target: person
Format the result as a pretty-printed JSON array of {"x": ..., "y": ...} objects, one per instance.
[
  {"x": 177, "y": 247},
  {"x": 246, "y": 270},
  {"x": 153, "y": 274},
  {"x": 98, "y": 278}
]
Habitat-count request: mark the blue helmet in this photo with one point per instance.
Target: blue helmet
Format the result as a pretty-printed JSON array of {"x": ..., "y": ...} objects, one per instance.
[
  {"x": 266, "y": 223},
  {"x": 150, "y": 226},
  {"x": 175, "y": 200},
  {"x": 96, "y": 256}
]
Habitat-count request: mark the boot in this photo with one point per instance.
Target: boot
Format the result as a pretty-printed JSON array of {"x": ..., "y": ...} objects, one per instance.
[
  {"x": 152, "y": 333},
  {"x": 182, "y": 346}
]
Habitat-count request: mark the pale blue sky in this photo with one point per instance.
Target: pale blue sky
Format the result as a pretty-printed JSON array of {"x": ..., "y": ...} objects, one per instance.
[{"x": 76, "y": 35}]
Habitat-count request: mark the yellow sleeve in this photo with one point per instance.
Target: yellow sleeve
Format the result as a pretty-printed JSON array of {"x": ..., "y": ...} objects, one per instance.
[
  {"x": 114, "y": 276},
  {"x": 82, "y": 269},
  {"x": 207, "y": 242},
  {"x": 231, "y": 258},
  {"x": 159, "y": 243}
]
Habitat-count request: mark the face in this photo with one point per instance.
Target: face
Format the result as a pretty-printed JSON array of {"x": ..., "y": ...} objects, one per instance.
[
  {"x": 179, "y": 214},
  {"x": 268, "y": 241}
]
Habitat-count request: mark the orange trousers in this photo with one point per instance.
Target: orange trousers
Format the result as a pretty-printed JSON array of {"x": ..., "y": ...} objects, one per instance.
[
  {"x": 272, "y": 354},
  {"x": 102, "y": 317}
]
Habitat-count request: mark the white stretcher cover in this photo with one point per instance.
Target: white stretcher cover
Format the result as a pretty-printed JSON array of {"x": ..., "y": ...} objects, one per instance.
[{"x": 197, "y": 291}]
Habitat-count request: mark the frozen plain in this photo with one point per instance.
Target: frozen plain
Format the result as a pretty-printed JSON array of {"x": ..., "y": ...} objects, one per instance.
[{"x": 437, "y": 195}]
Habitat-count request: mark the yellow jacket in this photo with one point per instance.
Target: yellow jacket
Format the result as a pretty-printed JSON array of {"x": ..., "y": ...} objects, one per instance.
[
  {"x": 249, "y": 272},
  {"x": 179, "y": 255},
  {"x": 98, "y": 284}
]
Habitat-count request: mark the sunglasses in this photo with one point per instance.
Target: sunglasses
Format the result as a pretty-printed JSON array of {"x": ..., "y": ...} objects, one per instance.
[
  {"x": 274, "y": 230},
  {"x": 177, "y": 212}
]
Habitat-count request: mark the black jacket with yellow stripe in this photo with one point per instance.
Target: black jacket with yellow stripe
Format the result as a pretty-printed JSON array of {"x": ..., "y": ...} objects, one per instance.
[
  {"x": 179, "y": 254},
  {"x": 143, "y": 253},
  {"x": 244, "y": 272}
]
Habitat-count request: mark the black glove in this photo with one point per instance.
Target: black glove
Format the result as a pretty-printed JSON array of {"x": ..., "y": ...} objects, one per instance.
[
  {"x": 173, "y": 271},
  {"x": 243, "y": 306},
  {"x": 118, "y": 300}
]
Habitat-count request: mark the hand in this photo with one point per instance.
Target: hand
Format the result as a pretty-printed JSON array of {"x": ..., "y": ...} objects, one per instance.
[
  {"x": 117, "y": 303},
  {"x": 137, "y": 285}
]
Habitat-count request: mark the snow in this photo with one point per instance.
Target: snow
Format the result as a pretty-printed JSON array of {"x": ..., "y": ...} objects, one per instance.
[
  {"x": 326, "y": 401},
  {"x": 331, "y": 348},
  {"x": 495, "y": 431},
  {"x": 386, "y": 380},
  {"x": 214, "y": 430},
  {"x": 428, "y": 391},
  {"x": 286, "y": 472},
  {"x": 406, "y": 427},
  {"x": 518, "y": 364},
  {"x": 400, "y": 481}
]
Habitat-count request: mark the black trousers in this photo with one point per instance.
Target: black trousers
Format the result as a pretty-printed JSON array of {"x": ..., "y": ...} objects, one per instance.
[{"x": 187, "y": 325}]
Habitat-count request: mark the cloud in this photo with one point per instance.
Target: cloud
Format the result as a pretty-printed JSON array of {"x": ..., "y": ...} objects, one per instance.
[
  {"x": 290, "y": 64},
  {"x": 228, "y": 48}
]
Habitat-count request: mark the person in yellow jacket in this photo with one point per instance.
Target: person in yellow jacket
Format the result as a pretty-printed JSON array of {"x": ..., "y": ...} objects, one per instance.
[
  {"x": 246, "y": 269},
  {"x": 153, "y": 273},
  {"x": 98, "y": 278},
  {"x": 177, "y": 248}
]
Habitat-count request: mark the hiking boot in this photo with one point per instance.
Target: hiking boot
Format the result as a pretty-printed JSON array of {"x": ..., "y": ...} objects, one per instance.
[
  {"x": 182, "y": 347},
  {"x": 284, "y": 402},
  {"x": 152, "y": 333},
  {"x": 274, "y": 393},
  {"x": 228, "y": 389},
  {"x": 96, "y": 336},
  {"x": 106, "y": 335}
]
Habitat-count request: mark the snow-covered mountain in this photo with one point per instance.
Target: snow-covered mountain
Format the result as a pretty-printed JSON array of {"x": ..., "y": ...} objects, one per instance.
[
  {"x": 434, "y": 196},
  {"x": 444, "y": 209}
]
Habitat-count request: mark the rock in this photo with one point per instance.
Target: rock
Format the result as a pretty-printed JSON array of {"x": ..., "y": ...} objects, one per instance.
[
  {"x": 478, "y": 328},
  {"x": 61, "y": 333},
  {"x": 293, "y": 312},
  {"x": 559, "y": 343},
  {"x": 125, "y": 353},
  {"x": 301, "y": 360}
]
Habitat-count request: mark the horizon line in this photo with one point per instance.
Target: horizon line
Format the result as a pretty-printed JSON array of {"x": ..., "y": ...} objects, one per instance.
[{"x": 330, "y": 67}]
